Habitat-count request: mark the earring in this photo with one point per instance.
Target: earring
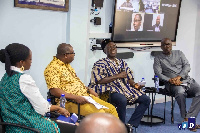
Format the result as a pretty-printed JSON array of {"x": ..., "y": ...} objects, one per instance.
[{"x": 22, "y": 68}]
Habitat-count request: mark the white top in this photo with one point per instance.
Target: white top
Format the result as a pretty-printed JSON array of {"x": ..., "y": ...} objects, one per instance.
[
  {"x": 157, "y": 29},
  {"x": 31, "y": 91}
]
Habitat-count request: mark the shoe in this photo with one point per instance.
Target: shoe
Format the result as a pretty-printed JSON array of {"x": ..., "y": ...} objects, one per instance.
[
  {"x": 197, "y": 126},
  {"x": 129, "y": 128},
  {"x": 193, "y": 129},
  {"x": 185, "y": 119}
]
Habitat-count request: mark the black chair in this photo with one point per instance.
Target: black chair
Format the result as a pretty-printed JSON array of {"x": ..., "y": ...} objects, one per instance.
[
  {"x": 53, "y": 102},
  {"x": 4, "y": 124},
  {"x": 166, "y": 93}
]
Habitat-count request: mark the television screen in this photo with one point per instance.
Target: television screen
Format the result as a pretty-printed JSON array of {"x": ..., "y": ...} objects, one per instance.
[{"x": 145, "y": 20}]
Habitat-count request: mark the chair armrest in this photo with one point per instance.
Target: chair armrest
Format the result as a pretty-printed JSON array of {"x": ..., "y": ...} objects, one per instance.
[
  {"x": 18, "y": 125},
  {"x": 69, "y": 100},
  {"x": 79, "y": 116}
]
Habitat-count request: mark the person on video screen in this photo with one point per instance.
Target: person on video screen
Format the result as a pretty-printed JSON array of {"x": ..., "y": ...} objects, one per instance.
[
  {"x": 141, "y": 6},
  {"x": 127, "y": 4},
  {"x": 137, "y": 23},
  {"x": 157, "y": 27}
]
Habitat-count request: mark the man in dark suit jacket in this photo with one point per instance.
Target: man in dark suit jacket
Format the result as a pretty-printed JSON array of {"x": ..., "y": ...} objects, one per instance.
[{"x": 157, "y": 27}]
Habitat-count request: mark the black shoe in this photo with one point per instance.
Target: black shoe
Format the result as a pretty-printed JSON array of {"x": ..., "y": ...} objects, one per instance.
[{"x": 129, "y": 128}]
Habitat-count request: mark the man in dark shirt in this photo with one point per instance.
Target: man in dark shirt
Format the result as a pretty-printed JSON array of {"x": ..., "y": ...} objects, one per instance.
[{"x": 157, "y": 27}]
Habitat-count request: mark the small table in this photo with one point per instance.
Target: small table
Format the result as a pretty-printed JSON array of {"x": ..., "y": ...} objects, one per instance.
[{"x": 149, "y": 118}]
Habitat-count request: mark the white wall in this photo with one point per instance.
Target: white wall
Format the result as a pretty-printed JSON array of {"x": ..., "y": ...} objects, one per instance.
[
  {"x": 43, "y": 30},
  {"x": 197, "y": 47},
  {"x": 79, "y": 34},
  {"x": 187, "y": 31},
  {"x": 40, "y": 30}
]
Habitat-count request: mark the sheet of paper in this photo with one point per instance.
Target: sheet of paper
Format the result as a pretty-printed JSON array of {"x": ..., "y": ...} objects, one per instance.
[
  {"x": 92, "y": 101},
  {"x": 184, "y": 84}
]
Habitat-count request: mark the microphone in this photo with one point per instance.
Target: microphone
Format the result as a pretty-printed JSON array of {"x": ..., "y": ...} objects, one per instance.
[{"x": 122, "y": 69}]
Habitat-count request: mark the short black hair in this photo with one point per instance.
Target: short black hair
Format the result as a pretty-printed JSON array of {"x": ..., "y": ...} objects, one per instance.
[
  {"x": 16, "y": 52},
  {"x": 104, "y": 43},
  {"x": 63, "y": 48},
  {"x": 163, "y": 41}
]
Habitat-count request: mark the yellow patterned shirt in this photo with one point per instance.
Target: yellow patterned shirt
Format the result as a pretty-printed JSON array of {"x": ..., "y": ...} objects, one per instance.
[{"x": 60, "y": 75}]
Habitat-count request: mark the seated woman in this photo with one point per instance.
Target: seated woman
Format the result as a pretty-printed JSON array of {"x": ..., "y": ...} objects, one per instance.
[{"x": 20, "y": 99}]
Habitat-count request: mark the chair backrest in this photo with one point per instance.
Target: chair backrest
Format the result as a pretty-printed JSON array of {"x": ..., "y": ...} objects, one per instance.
[
  {"x": 49, "y": 96},
  {"x": 161, "y": 83}
]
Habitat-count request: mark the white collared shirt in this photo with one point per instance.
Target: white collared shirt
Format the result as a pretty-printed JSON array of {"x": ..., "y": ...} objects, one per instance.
[
  {"x": 157, "y": 29},
  {"x": 31, "y": 91}
]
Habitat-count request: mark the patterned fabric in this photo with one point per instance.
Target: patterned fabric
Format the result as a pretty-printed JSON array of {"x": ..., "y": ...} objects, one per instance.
[
  {"x": 63, "y": 76},
  {"x": 106, "y": 68},
  {"x": 16, "y": 108},
  {"x": 86, "y": 109}
]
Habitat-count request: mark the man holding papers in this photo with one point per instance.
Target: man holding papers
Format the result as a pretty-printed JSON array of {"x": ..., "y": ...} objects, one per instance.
[{"x": 62, "y": 79}]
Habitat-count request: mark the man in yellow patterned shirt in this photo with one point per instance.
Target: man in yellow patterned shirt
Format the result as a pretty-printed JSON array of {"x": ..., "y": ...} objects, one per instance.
[{"x": 62, "y": 79}]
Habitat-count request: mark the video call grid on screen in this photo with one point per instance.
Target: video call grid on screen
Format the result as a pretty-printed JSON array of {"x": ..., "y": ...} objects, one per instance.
[{"x": 145, "y": 20}]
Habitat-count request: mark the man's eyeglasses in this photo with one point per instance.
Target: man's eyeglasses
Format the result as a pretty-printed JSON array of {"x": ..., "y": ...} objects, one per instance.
[
  {"x": 69, "y": 53},
  {"x": 137, "y": 20}
]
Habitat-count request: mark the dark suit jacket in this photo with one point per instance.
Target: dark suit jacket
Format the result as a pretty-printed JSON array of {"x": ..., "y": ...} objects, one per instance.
[{"x": 160, "y": 27}]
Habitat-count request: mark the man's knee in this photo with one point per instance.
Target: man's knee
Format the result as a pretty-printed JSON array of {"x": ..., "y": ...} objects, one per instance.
[
  {"x": 123, "y": 100},
  {"x": 180, "y": 95},
  {"x": 178, "y": 91},
  {"x": 146, "y": 100},
  {"x": 119, "y": 99}
]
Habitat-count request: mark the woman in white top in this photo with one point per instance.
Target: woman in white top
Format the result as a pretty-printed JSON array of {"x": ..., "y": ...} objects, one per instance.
[{"x": 20, "y": 99}]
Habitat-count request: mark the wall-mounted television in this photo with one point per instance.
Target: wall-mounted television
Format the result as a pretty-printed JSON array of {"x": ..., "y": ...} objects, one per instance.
[{"x": 145, "y": 22}]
